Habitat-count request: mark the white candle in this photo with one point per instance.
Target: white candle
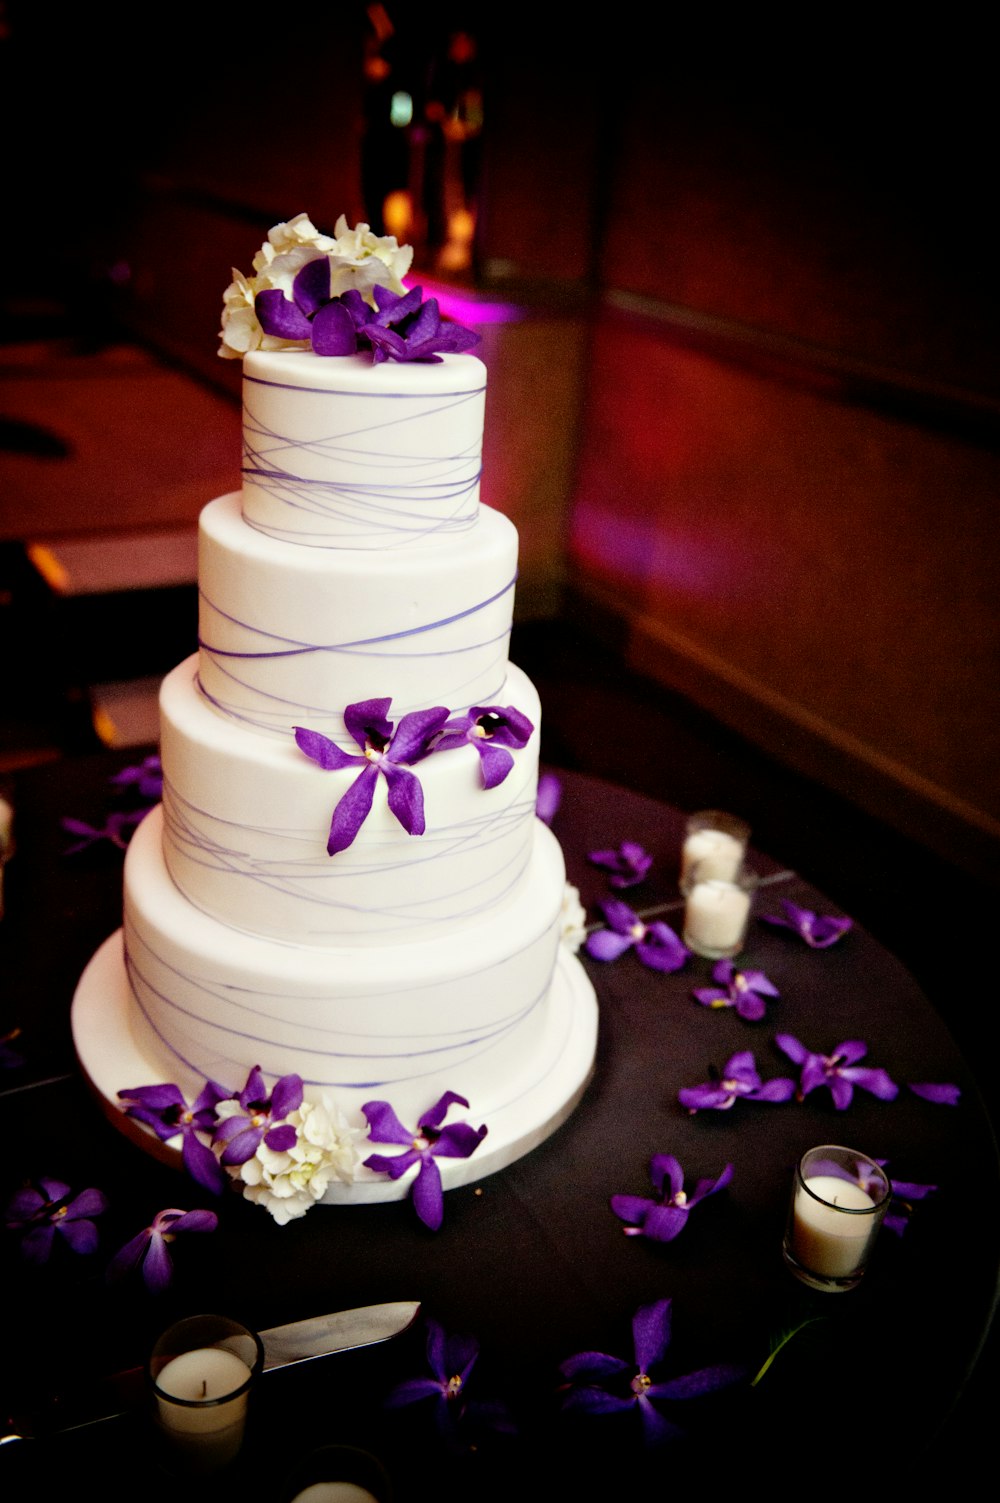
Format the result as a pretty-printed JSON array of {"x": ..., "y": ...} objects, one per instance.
[
  {"x": 715, "y": 917},
  {"x": 826, "y": 1238},
  {"x": 715, "y": 853},
  {"x": 335, "y": 1492},
  {"x": 215, "y": 1383}
]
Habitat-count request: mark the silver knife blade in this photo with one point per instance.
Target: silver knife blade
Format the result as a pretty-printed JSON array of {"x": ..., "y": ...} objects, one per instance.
[
  {"x": 341, "y": 1332},
  {"x": 303, "y": 1340}
]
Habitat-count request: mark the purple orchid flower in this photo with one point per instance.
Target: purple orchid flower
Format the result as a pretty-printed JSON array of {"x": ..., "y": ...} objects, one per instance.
[
  {"x": 311, "y": 313},
  {"x": 656, "y": 945},
  {"x": 146, "y": 778},
  {"x": 451, "y": 1360},
  {"x": 150, "y": 1250},
  {"x": 747, "y": 991},
  {"x": 662, "y": 1220},
  {"x": 430, "y": 1141},
  {"x": 548, "y": 797},
  {"x": 118, "y": 829},
  {"x": 594, "y": 1377},
  {"x": 739, "y": 1081},
  {"x": 628, "y": 865},
  {"x": 262, "y": 1119},
  {"x": 49, "y": 1207},
  {"x": 417, "y": 330},
  {"x": 839, "y": 1071},
  {"x": 819, "y": 931},
  {"x": 490, "y": 729},
  {"x": 939, "y": 1092},
  {"x": 165, "y": 1110},
  {"x": 383, "y": 750}
]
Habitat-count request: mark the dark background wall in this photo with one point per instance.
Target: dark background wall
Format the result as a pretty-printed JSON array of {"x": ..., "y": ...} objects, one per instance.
[{"x": 748, "y": 416}]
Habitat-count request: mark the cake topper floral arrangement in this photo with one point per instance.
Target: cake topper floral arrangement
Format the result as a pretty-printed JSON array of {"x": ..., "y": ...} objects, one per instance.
[{"x": 336, "y": 296}]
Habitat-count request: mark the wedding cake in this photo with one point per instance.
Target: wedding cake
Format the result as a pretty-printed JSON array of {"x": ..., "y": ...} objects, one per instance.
[{"x": 346, "y": 880}]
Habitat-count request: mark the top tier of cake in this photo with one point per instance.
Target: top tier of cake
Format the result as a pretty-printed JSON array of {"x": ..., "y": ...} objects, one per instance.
[{"x": 393, "y": 462}]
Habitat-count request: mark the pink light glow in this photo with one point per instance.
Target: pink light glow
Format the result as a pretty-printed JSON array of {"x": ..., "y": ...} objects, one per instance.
[{"x": 466, "y": 310}]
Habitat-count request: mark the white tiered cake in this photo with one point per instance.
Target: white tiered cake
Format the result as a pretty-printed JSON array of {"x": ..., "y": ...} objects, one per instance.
[{"x": 355, "y": 564}]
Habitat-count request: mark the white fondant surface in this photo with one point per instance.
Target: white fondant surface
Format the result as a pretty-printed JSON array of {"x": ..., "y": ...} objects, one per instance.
[
  {"x": 291, "y": 635},
  {"x": 247, "y": 818},
  {"x": 341, "y": 453}
]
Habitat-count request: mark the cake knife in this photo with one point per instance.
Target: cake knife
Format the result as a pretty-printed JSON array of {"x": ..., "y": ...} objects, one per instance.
[{"x": 301, "y": 1341}]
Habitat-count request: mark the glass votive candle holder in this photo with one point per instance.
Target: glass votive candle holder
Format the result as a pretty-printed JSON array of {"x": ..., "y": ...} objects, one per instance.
[
  {"x": 717, "y": 910},
  {"x": 338, "y": 1474},
  {"x": 201, "y": 1372},
  {"x": 716, "y": 843},
  {"x": 839, "y": 1198}
]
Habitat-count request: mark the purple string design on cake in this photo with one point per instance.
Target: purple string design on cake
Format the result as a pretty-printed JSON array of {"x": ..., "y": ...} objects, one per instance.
[
  {"x": 408, "y": 648},
  {"x": 324, "y": 475},
  {"x": 232, "y": 1023},
  {"x": 352, "y": 895}
]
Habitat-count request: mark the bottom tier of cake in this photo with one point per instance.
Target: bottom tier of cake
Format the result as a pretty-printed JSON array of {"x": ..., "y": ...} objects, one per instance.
[{"x": 505, "y": 1016}]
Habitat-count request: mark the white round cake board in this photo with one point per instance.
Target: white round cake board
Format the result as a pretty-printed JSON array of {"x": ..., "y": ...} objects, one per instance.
[{"x": 561, "y": 1068}]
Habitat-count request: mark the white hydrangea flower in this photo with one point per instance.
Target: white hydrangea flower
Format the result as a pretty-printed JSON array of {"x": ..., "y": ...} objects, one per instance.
[
  {"x": 288, "y": 236},
  {"x": 573, "y": 929},
  {"x": 287, "y": 1184},
  {"x": 356, "y": 250}
]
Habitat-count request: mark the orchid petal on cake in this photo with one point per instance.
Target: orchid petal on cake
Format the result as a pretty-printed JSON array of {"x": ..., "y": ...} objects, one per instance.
[
  {"x": 431, "y": 1140},
  {"x": 254, "y": 1117},
  {"x": 164, "y": 1109},
  {"x": 491, "y": 729},
  {"x": 383, "y": 750}
]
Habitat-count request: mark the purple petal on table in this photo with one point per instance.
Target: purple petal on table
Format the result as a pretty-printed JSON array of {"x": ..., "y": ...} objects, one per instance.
[
  {"x": 826, "y": 930},
  {"x": 661, "y": 949},
  {"x": 705, "y": 1097},
  {"x": 665, "y": 1169},
  {"x": 281, "y": 1138},
  {"x": 604, "y": 944},
  {"x": 849, "y": 1052},
  {"x": 705, "y": 1187},
  {"x": 791, "y": 1046},
  {"x": 333, "y": 331},
  {"x": 129, "y": 1257},
  {"x": 910, "y": 1191},
  {"x": 352, "y": 810},
  {"x": 633, "y": 1208},
  {"x": 780, "y": 1089},
  {"x": 384, "y": 1125},
  {"x": 622, "y": 918},
  {"x": 194, "y": 1221},
  {"x": 88, "y": 1203},
  {"x": 876, "y": 1081},
  {"x": 82, "y": 1236},
  {"x": 942, "y": 1094},
  {"x": 596, "y": 1401},
  {"x": 427, "y": 1195},
  {"x": 320, "y": 749},
  {"x": 405, "y": 797},
  {"x": 593, "y": 1365},
  {"x": 664, "y": 1223},
  {"x": 694, "y": 1385},
  {"x": 841, "y": 1090},
  {"x": 157, "y": 1270},
  {"x": 651, "y": 1333},
  {"x": 411, "y": 1391},
  {"x": 710, "y": 996},
  {"x": 279, "y": 316}
]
